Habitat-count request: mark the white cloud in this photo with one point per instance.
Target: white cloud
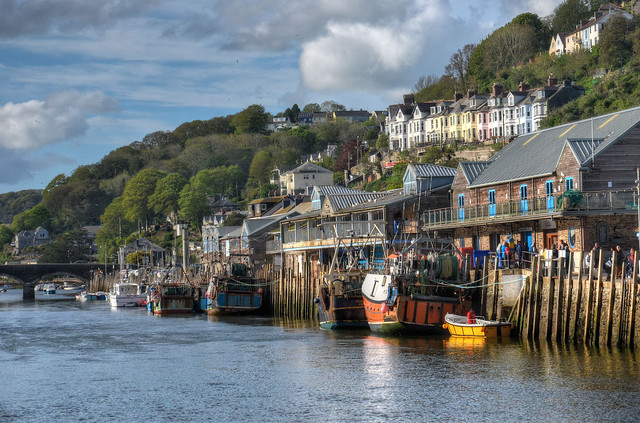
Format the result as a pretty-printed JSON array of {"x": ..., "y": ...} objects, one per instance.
[{"x": 63, "y": 115}]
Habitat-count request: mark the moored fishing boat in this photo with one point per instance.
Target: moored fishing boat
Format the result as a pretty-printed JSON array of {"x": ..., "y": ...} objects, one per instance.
[
  {"x": 91, "y": 296},
  {"x": 237, "y": 291},
  {"x": 127, "y": 294},
  {"x": 172, "y": 298},
  {"x": 412, "y": 295},
  {"x": 476, "y": 326},
  {"x": 339, "y": 303}
]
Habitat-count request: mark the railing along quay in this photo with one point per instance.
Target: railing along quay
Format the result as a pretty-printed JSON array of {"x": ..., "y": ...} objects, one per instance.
[{"x": 572, "y": 202}]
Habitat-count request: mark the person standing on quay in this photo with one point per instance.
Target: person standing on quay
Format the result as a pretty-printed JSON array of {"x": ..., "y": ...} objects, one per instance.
[
  {"x": 564, "y": 248},
  {"x": 533, "y": 251},
  {"x": 631, "y": 262}
]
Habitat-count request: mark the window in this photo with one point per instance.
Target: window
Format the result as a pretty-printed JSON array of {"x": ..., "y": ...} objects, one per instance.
[
  {"x": 568, "y": 184},
  {"x": 492, "y": 202}
]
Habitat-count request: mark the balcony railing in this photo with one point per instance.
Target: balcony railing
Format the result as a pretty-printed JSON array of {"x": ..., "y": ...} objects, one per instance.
[
  {"x": 572, "y": 201},
  {"x": 306, "y": 232},
  {"x": 274, "y": 246}
]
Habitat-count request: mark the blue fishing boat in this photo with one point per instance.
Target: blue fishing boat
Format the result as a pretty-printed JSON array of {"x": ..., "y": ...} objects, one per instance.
[{"x": 234, "y": 292}]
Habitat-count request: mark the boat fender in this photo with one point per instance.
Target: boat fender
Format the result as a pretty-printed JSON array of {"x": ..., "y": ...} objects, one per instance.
[
  {"x": 260, "y": 291},
  {"x": 316, "y": 300},
  {"x": 384, "y": 308}
]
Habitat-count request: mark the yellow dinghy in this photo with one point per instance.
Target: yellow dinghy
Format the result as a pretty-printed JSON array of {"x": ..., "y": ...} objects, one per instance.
[{"x": 476, "y": 327}]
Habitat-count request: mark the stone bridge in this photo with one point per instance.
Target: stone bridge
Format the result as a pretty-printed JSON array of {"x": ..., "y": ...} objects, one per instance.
[{"x": 30, "y": 274}]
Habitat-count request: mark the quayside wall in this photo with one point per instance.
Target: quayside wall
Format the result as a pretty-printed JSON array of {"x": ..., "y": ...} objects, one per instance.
[{"x": 584, "y": 306}]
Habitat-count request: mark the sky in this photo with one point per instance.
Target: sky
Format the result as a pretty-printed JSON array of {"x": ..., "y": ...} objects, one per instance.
[{"x": 80, "y": 78}]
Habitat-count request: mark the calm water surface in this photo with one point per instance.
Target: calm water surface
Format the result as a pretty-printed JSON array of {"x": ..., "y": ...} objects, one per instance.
[{"x": 68, "y": 361}]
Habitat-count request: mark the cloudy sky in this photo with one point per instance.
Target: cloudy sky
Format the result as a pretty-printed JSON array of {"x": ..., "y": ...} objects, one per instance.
[{"x": 83, "y": 77}]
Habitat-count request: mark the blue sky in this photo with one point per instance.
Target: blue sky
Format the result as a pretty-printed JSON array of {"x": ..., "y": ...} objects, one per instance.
[{"x": 83, "y": 77}]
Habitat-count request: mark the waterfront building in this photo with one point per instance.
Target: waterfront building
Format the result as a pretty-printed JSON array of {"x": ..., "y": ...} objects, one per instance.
[{"x": 574, "y": 182}]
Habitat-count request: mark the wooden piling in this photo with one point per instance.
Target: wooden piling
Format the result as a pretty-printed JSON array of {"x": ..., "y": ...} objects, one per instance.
[
  {"x": 574, "y": 334},
  {"x": 569, "y": 299},
  {"x": 485, "y": 285},
  {"x": 558, "y": 322},
  {"x": 588, "y": 305},
  {"x": 598, "y": 306},
  {"x": 632, "y": 306},
  {"x": 612, "y": 299},
  {"x": 538, "y": 300},
  {"x": 530, "y": 308}
]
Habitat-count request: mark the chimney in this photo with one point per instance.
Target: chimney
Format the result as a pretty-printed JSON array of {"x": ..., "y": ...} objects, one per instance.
[
  {"x": 458, "y": 95},
  {"x": 409, "y": 99},
  {"x": 470, "y": 93},
  {"x": 524, "y": 87},
  {"x": 497, "y": 89},
  {"x": 552, "y": 80}
]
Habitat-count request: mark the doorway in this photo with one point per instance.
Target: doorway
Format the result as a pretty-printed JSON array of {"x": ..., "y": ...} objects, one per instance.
[{"x": 550, "y": 238}]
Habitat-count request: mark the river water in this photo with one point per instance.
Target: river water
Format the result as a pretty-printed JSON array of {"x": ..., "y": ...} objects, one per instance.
[{"x": 68, "y": 361}]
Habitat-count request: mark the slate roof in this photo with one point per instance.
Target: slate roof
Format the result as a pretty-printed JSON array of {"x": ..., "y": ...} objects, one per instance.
[
  {"x": 343, "y": 201},
  {"x": 537, "y": 154},
  {"x": 424, "y": 170},
  {"x": 309, "y": 167},
  {"x": 471, "y": 170},
  {"x": 226, "y": 230},
  {"x": 334, "y": 189},
  {"x": 255, "y": 225},
  {"x": 584, "y": 148}
]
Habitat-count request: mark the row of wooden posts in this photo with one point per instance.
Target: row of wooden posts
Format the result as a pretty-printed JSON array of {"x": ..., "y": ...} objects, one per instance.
[
  {"x": 568, "y": 307},
  {"x": 565, "y": 307}
]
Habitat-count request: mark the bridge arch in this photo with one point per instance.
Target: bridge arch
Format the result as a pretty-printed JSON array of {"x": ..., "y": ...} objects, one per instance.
[{"x": 30, "y": 274}]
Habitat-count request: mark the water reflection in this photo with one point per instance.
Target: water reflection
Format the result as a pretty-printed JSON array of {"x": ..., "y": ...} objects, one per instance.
[{"x": 255, "y": 368}]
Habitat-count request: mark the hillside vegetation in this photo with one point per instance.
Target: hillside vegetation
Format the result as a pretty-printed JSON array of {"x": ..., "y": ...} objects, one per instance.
[{"x": 175, "y": 175}]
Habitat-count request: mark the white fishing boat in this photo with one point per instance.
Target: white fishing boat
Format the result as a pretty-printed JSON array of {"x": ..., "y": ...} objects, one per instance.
[{"x": 127, "y": 294}]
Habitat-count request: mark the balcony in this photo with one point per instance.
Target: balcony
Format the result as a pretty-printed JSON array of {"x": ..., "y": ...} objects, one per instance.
[
  {"x": 325, "y": 233},
  {"x": 569, "y": 203},
  {"x": 274, "y": 246}
]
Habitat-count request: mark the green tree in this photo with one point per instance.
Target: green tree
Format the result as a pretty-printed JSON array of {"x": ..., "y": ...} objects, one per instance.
[
  {"x": 253, "y": 119},
  {"x": 312, "y": 108},
  {"x": 445, "y": 87},
  {"x": 568, "y": 14},
  {"x": 193, "y": 202},
  {"x": 135, "y": 198},
  {"x": 615, "y": 45},
  {"x": 6, "y": 235},
  {"x": 166, "y": 195},
  {"x": 509, "y": 45},
  {"x": 261, "y": 167},
  {"x": 534, "y": 22},
  {"x": 30, "y": 219},
  {"x": 57, "y": 181},
  {"x": 331, "y": 106},
  {"x": 69, "y": 247},
  {"x": 234, "y": 219},
  {"x": 295, "y": 110}
]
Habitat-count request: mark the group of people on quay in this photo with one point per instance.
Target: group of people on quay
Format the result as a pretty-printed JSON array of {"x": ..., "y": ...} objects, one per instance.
[{"x": 517, "y": 254}]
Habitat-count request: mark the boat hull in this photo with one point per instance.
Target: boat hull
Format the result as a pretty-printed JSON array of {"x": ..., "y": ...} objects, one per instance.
[
  {"x": 173, "y": 305},
  {"x": 389, "y": 313},
  {"x": 481, "y": 329},
  {"x": 227, "y": 302},
  {"x": 344, "y": 312}
]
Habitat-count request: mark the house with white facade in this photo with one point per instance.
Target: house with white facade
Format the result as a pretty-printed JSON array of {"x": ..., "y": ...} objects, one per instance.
[{"x": 300, "y": 179}]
